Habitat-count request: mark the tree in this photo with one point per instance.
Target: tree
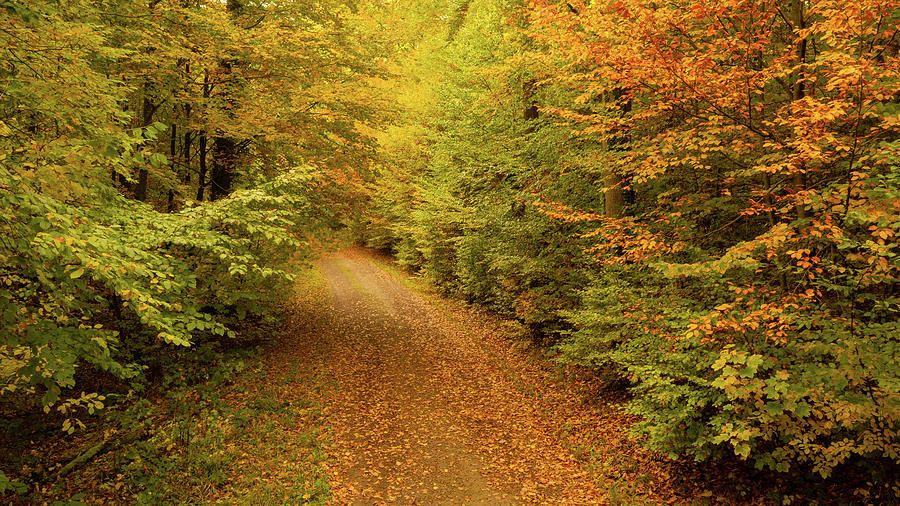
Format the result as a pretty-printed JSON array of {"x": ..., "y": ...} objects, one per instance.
[
  {"x": 93, "y": 278},
  {"x": 730, "y": 169},
  {"x": 761, "y": 134}
]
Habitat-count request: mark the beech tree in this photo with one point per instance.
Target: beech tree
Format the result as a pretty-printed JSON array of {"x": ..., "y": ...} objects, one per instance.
[
  {"x": 696, "y": 200},
  {"x": 761, "y": 148},
  {"x": 727, "y": 169},
  {"x": 115, "y": 273}
]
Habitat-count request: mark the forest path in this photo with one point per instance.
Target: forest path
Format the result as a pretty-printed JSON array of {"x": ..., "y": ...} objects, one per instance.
[{"x": 428, "y": 406}]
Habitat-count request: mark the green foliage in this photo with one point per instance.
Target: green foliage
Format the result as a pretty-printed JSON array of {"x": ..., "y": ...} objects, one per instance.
[
  {"x": 773, "y": 340},
  {"x": 6, "y": 485},
  {"x": 70, "y": 268},
  {"x": 458, "y": 205},
  {"x": 718, "y": 228},
  {"x": 709, "y": 230},
  {"x": 201, "y": 442},
  {"x": 96, "y": 284}
]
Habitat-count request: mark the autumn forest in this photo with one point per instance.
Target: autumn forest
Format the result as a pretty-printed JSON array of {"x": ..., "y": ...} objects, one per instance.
[{"x": 450, "y": 251}]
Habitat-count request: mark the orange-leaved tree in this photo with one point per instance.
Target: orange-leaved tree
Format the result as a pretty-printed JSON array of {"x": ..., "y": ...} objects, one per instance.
[{"x": 759, "y": 142}]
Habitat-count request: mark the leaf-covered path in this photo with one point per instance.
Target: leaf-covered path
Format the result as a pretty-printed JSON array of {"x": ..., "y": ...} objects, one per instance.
[{"x": 429, "y": 406}]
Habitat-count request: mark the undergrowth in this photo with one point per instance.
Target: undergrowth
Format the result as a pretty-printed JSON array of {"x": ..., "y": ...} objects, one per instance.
[{"x": 220, "y": 424}]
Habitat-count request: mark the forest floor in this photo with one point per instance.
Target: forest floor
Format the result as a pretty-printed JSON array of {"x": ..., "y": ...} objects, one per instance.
[
  {"x": 378, "y": 390},
  {"x": 432, "y": 402}
]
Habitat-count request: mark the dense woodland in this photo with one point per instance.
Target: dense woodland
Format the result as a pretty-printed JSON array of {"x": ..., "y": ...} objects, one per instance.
[{"x": 696, "y": 201}]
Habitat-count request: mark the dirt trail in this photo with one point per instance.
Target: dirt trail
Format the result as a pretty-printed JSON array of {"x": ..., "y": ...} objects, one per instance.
[{"x": 423, "y": 411}]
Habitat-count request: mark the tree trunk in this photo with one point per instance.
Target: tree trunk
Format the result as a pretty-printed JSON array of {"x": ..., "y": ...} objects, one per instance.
[
  {"x": 614, "y": 196},
  {"x": 186, "y": 148},
  {"x": 147, "y": 110},
  {"x": 186, "y": 145},
  {"x": 224, "y": 158},
  {"x": 224, "y": 148},
  {"x": 201, "y": 176},
  {"x": 186, "y": 157},
  {"x": 173, "y": 150},
  {"x": 798, "y": 179}
]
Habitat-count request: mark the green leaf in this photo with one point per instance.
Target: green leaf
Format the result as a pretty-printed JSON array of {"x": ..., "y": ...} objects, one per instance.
[
  {"x": 774, "y": 408},
  {"x": 7, "y": 485},
  {"x": 720, "y": 363},
  {"x": 754, "y": 361}
]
